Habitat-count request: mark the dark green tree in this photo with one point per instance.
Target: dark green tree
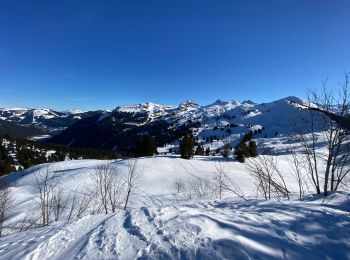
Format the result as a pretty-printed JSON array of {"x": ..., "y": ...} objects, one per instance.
[
  {"x": 145, "y": 146},
  {"x": 207, "y": 151},
  {"x": 149, "y": 146},
  {"x": 247, "y": 137},
  {"x": 6, "y": 162},
  {"x": 199, "y": 150},
  {"x": 253, "y": 151},
  {"x": 226, "y": 152},
  {"x": 186, "y": 147},
  {"x": 241, "y": 152},
  {"x": 139, "y": 148}
]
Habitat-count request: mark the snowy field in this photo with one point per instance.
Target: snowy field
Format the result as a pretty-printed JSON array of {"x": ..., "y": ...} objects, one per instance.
[{"x": 159, "y": 223}]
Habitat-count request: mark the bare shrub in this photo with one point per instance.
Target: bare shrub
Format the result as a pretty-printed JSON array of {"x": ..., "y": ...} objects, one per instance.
[
  {"x": 178, "y": 185},
  {"x": 222, "y": 183},
  {"x": 298, "y": 165},
  {"x": 329, "y": 122},
  {"x": 46, "y": 182},
  {"x": 133, "y": 179},
  {"x": 4, "y": 203},
  {"x": 80, "y": 204},
  {"x": 31, "y": 219},
  {"x": 107, "y": 185},
  {"x": 268, "y": 179},
  {"x": 59, "y": 204},
  {"x": 199, "y": 188},
  {"x": 220, "y": 180}
]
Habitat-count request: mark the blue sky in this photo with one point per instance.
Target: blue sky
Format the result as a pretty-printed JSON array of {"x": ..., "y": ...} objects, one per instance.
[{"x": 98, "y": 54}]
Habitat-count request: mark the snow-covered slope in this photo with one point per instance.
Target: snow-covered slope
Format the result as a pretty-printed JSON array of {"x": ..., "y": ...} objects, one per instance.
[
  {"x": 224, "y": 121},
  {"x": 212, "y": 230},
  {"x": 28, "y": 116},
  {"x": 144, "y": 107},
  {"x": 159, "y": 224},
  {"x": 46, "y": 120},
  {"x": 215, "y": 114},
  {"x": 75, "y": 111}
]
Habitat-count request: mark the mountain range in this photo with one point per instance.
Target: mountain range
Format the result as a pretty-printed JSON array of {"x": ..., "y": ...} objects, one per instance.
[
  {"x": 119, "y": 129},
  {"x": 45, "y": 121}
]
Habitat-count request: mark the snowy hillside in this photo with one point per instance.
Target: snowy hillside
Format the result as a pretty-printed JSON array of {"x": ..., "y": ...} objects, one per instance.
[
  {"x": 28, "y": 116},
  {"x": 46, "y": 120},
  {"x": 223, "y": 121},
  {"x": 165, "y": 207},
  {"x": 161, "y": 223},
  {"x": 212, "y": 230}
]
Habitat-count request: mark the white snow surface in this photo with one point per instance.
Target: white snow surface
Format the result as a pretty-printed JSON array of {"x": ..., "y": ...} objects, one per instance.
[
  {"x": 75, "y": 111},
  {"x": 159, "y": 224},
  {"x": 143, "y": 107}
]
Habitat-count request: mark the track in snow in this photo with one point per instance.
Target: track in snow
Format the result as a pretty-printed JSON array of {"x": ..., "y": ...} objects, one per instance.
[{"x": 209, "y": 230}]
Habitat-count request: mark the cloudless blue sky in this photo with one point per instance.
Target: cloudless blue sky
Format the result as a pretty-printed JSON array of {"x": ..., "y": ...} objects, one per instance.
[{"x": 99, "y": 54}]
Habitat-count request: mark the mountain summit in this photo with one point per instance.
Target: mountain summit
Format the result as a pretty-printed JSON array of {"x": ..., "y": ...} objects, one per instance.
[{"x": 227, "y": 121}]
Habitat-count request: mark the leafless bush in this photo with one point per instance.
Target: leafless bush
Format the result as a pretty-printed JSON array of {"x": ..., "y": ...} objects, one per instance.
[
  {"x": 107, "y": 184},
  {"x": 80, "y": 204},
  {"x": 46, "y": 182},
  {"x": 297, "y": 165},
  {"x": 199, "y": 188},
  {"x": 29, "y": 221},
  {"x": 178, "y": 185},
  {"x": 133, "y": 179},
  {"x": 220, "y": 180},
  {"x": 59, "y": 204},
  {"x": 268, "y": 178},
  {"x": 329, "y": 122},
  {"x": 222, "y": 183},
  {"x": 4, "y": 203}
]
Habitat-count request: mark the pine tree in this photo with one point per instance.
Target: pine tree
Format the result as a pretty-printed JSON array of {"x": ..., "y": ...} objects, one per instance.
[
  {"x": 6, "y": 162},
  {"x": 186, "y": 147},
  {"x": 241, "y": 152},
  {"x": 145, "y": 147},
  {"x": 253, "y": 152},
  {"x": 227, "y": 151},
  {"x": 207, "y": 151},
  {"x": 247, "y": 137},
  {"x": 199, "y": 150},
  {"x": 149, "y": 146}
]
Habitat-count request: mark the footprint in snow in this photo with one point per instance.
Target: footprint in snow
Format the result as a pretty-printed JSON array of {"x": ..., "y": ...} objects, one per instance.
[
  {"x": 284, "y": 253},
  {"x": 280, "y": 232}
]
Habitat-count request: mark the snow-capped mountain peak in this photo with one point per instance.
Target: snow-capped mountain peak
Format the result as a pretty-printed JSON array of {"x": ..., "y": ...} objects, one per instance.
[
  {"x": 75, "y": 111},
  {"x": 188, "y": 105},
  {"x": 233, "y": 118},
  {"x": 142, "y": 107}
]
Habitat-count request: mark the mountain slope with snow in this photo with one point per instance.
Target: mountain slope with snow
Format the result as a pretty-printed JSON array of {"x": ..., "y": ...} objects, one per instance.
[
  {"x": 42, "y": 118},
  {"x": 160, "y": 224},
  {"x": 215, "y": 230},
  {"x": 226, "y": 121}
]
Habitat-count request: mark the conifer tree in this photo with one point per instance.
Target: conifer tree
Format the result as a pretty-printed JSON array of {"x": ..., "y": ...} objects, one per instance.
[
  {"x": 145, "y": 146},
  {"x": 149, "y": 146},
  {"x": 199, "y": 150},
  {"x": 186, "y": 147},
  {"x": 253, "y": 152},
  {"x": 207, "y": 151},
  {"x": 241, "y": 152},
  {"x": 5, "y": 162},
  {"x": 139, "y": 148}
]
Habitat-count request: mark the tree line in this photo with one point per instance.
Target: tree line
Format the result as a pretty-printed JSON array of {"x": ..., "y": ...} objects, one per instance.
[{"x": 29, "y": 153}]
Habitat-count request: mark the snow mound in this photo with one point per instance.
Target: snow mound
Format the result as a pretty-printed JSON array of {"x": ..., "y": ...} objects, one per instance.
[
  {"x": 159, "y": 224},
  {"x": 229, "y": 229}
]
